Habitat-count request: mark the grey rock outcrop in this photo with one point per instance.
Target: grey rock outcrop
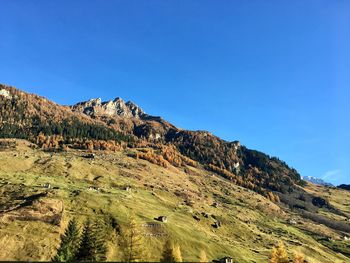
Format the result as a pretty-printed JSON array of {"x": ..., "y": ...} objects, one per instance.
[
  {"x": 116, "y": 107},
  {"x": 5, "y": 93}
]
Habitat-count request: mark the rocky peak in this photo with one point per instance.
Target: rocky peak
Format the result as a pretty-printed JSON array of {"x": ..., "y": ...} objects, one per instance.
[
  {"x": 116, "y": 107},
  {"x": 135, "y": 110},
  {"x": 94, "y": 102},
  {"x": 118, "y": 99},
  {"x": 5, "y": 93}
]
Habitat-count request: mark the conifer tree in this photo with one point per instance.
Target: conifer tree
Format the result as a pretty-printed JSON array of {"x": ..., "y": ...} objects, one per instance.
[
  {"x": 69, "y": 243},
  {"x": 100, "y": 233},
  {"x": 85, "y": 252},
  {"x": 279, "y": 254},
  {"x": 132, "y": 242},
  {"x": 171, "y": 252},
  {"x": 167, "y": 252},
  {"x": 93, "y": 243}
]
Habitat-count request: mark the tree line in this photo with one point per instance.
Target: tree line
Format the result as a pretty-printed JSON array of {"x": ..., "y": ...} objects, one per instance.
[
  {"x": 91, "y": 244},
  {"x": 256, "y": 171},
  {"x": 25, "y": 116},
  {"x": 58, "y": 142}
]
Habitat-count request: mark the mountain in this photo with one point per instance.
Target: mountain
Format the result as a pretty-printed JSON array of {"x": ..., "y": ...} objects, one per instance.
[
  {"x": 82, "y": 125},
  {"x": 238, "y": 200},
  {"x": 27, "y": 116},
  {"x": 316, "y": 180},
  {"x": 344, "y": 186},
  {"x": 230, "y": 159},
  {"x": 117, "y": 107}
]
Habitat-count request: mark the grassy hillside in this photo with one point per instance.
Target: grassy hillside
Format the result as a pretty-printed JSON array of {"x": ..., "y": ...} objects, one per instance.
[
  {"x": 33, "y": 216},
  {"x": 56, "y": 127}
]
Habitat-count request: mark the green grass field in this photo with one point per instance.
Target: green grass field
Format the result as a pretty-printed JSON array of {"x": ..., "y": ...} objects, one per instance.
[{"x": 251, "y": 224}]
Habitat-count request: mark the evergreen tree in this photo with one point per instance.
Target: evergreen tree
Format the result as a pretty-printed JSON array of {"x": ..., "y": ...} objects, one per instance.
[
  {"x": 132, "y": 242},
  {"x": 167, "y": 255},
  {"x": 101, "y": 234},
  {"x": 171, "y": 252},
  {"x": 69, "y": 243},
  {"x": 93, "y": 242},
  {"x": 85, "y": 252}
]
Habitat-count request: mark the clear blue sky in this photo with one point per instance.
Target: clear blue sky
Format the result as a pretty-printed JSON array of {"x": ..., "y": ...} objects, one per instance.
[{"x": 273, "y": 74}]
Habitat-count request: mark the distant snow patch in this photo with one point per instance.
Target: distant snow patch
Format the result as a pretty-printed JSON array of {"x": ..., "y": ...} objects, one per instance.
[{"x": 5, "y": 93}]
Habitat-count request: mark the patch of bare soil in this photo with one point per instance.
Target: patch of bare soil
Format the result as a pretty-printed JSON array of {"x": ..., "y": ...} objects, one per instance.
[{"x": 44, "y": 209}]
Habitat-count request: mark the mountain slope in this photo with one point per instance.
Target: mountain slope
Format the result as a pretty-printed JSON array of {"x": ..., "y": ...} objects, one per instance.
[
  {"x": 26, "y": 115},
  {"x": 32, "y": 117},
  {"x": 250, "y": 223},
  {"x": 121, "y": 134},
  {"x": 344, "y": 186},
  {"x": 316, "y": 180},
  {"x": 228, "y": 157}
]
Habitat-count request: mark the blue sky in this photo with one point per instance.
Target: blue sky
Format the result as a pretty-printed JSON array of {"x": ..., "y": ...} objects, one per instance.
[{"x": 272, "y": 74}]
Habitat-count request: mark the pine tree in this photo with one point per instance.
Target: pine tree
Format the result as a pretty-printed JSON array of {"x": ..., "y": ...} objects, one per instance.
[
  {"x": 203, "y": 256},
  {"x": 279, "y": 254},
  {"x": 132, "y": 242},
  {"x": 93, "y": 243},
  {"x": 171, "y": 252},
  {"x": 69, "y": 243},
  {"x": 167, "y": 255},
  {"x": 100, "y": 232},
  {"x": 85, "y": 252}
]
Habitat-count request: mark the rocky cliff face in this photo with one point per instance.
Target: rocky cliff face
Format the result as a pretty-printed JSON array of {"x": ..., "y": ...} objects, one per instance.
[
  {"x": 112, "y": 108},
  {"x": 126, "y": 117},
  {"x": 5, "y": 93}
]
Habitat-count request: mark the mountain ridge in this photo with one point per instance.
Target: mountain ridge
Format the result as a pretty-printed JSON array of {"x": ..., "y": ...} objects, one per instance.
[
  {"x": 28, "y": 116},
  {"x": 316, "y": 180},
  {"x": 117, "y": 117},
  {"x": 116, "y": 107},
  {"x": 98, "y": 149}
]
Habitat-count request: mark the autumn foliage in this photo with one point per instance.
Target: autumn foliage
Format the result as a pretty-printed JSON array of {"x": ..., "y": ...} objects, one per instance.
[
  {"x": 164, "y": 155},
  {"x": 250, "y": 181},
  {"x": 279, "y": 254},
  {"x": 58, "y": 142},
  {"x": 153, "y": 158}
]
